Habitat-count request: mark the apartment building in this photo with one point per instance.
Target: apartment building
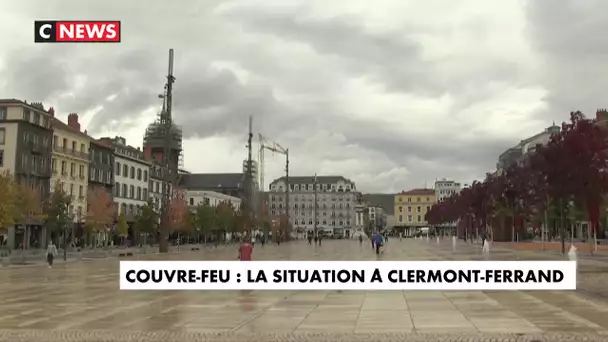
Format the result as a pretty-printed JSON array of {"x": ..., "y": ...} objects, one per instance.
[
  {"x": 516, "y": 153},
  {"x": 131, "y": 177},
  {"x": 445, "y": 188},
  {"x": 25, "y": 152},
  {"x": 101, "y": 169},
  {"x": 155, "y": 186},
  {"x": 335, "y": 197},
  {"x": 410, "y": 209},
  {"x": 70, "y": 163}
]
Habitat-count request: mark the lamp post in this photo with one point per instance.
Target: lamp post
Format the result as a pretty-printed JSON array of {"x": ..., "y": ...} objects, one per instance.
[
  {"x": 315, "y": 217},
  {"x": 65, "y": 239}
]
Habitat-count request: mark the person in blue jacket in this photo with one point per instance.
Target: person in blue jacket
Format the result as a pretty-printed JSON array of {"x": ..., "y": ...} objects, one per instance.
[{"x": 378, "y": 242}]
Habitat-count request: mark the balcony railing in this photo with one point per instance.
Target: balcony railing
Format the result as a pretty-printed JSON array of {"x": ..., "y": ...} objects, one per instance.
[
  {"x": 71, "y": 152},
  {"x": 36, "y": 148}
]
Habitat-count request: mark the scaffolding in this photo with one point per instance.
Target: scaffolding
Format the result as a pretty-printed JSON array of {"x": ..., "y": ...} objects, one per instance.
[{"x": 155, "y": 138}]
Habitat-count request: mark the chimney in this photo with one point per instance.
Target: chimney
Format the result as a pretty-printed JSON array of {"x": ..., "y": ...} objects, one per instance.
[
  {"x": 73, "y": 122},
  {"x": 52, "y": 111},
  {"x": 601, "y": 114}
]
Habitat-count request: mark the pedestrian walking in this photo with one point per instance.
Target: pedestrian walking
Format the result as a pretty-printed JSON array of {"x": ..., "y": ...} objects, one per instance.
[
  {"x": 378, "y": 242},
  {"x": 360, "y": 240},
  {"x": 245, "y": 250},
  {"x": 310, "y": 239},
  {"x": 51, "y": 252}
]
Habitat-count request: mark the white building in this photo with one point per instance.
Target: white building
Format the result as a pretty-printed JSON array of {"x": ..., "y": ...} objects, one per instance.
[
  {"x": 515, "y": 153},
  {"x": 131, "y": 177},
  {"x": 336, "y": 198},
  {"x": 445, "y": 188},
  {"x": 196, "y": 197},
  {"x": 155, "y": 186},
  {"x": 377, "y": 217}
]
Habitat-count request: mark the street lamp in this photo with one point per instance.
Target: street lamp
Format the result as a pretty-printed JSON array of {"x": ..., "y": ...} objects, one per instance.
[{"x": 315, "y": 216}]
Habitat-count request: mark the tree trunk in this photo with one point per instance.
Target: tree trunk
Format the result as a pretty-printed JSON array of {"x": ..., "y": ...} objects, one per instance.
[
  {"x": 562, "y": 227},
  {"x": 513, "y": 227},
  {"x": 593, "y": 209},
  {"x": 545, "y": 224}
]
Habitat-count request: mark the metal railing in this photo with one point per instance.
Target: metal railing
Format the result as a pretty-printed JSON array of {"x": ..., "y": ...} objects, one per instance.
[{"x": 71, "y": 152}]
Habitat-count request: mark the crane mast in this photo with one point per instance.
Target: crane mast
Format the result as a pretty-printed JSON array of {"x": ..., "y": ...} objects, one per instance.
[{"x": 275, "y": 148}]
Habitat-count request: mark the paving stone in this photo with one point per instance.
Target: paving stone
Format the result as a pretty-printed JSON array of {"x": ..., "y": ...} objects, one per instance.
[
  {"x": 81, "y": 302},
  {"x": 182, "y": 336}
]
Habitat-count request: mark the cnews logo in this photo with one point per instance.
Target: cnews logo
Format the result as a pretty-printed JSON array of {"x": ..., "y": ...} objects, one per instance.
[{"x": 77, "y": 31}]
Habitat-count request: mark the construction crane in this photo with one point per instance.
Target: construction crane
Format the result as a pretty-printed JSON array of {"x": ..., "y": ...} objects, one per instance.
[
  {"x": 270, "y": 146},
  {"x": 275, "y": 148}
]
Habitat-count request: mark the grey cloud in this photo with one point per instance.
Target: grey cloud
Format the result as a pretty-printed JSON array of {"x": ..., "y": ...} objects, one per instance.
[
  {"x": 382, "y": 54},
  {"x": 393, "y": 58},
  {"x": 570, "y": 41},
  {"x": 33, "y": 75},
  {"x": 292, "y": 97}
]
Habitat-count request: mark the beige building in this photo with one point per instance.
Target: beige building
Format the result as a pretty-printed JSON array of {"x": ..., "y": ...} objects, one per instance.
[
  {"x": 70, "y": 163},
  {"x": 410, "y": 209}
]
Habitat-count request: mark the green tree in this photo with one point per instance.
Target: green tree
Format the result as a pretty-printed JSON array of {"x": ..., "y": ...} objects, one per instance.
[
  {"x": 57, "y": 212},
  {"x": 224, "y": 217},
  {"x": 146, "y": 221},
  {"x": 122, "y": 228},
  {"x": 205, "y": 217}
]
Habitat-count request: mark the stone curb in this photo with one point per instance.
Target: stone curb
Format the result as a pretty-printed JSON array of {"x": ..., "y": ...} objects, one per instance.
[
  {"x": 181, "y": 336},
  {"x": 86, "y": 259}
]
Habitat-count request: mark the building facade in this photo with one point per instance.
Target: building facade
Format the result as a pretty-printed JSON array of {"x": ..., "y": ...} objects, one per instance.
[
  {"x": 131, "y": 178},
  {"x": 377, "y": 217},
  {"x": 211, "y": 198},
  {"x": 387, "y": 203},
  {"x": 360, "y": 226},
  {"x": 515, "y": 153},
  {"x": 335, "y": 197},
  {"x": 155, "y": 186},
  {"x": 445, "y": 188},
  {"x": 101, "y": 168},
  {"x": 70, "y": 163},
  {"x": 25, "y": 152},
  {"x": 411, "y": 208}
]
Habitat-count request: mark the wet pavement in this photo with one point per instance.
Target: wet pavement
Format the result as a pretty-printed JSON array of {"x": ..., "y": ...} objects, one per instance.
[{"x": 81, "y": 302}]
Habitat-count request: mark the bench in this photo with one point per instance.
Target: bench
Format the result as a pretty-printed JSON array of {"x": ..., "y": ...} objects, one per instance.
[
  {"x": 195, "y": 249},
  {"x": 125, "y": 254}
]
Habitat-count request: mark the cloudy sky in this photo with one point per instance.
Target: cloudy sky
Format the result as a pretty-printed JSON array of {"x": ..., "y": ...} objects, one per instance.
[{"x": 390, "y": 93}]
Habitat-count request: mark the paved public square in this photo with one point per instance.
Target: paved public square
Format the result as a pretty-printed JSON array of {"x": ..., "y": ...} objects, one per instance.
[{"x": 81, "y": 302}]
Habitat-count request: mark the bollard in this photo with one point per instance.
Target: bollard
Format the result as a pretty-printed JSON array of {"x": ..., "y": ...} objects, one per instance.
[
  {"x": 438, "y": 240},
  {"x": 454, "y": 243},
  {"x": 572, "y": 253},
  {"x": 486, "y": 249}
]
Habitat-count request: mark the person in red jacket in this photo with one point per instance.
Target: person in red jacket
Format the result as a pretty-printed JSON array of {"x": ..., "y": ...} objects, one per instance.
[{"x": 246, "y": 250}]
